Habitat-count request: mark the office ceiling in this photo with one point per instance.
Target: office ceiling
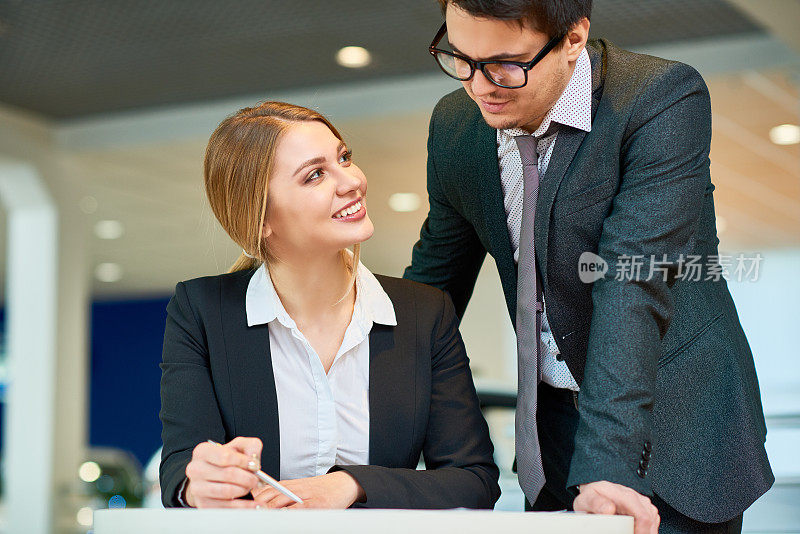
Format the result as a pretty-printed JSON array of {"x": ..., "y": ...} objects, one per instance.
[{"x": 67, "y": 59}]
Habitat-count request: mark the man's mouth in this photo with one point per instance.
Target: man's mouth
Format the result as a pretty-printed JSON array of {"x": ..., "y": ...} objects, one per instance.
[{"x": 493, "y": 107}]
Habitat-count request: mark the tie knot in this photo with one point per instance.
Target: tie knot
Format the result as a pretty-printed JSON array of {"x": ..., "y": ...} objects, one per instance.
[
  {"x": 528, "y": 150},
  {"x": 528, "y": 145}
]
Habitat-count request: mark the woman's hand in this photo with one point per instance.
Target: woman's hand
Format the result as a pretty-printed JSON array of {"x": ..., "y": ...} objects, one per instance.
[
  {"x": 218, "y": 475},
  {"x": 334, "y": 490}
]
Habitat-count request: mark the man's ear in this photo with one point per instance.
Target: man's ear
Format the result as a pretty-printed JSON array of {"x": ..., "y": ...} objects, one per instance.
[{"x": 576, "y": 39}]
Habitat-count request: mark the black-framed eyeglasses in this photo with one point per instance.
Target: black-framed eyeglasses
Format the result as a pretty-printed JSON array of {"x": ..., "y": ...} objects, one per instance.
[{"x": 506, "y": 74}]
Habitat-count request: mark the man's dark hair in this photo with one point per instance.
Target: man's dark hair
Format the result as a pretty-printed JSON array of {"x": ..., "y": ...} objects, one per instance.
[{"x": 552, "y": 17}]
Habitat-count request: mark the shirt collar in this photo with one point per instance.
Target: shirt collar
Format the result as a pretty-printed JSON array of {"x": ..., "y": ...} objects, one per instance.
[
  {"x": 263, "y": 305},
  {"x": 574, "y": 106}
]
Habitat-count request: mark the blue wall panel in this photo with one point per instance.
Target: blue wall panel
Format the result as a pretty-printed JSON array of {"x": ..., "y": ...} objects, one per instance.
[{"x": 126, "y": 340}]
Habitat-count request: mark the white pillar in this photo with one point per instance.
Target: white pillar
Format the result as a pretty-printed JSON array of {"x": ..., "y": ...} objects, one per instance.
[{"x": 31, "y": 302}]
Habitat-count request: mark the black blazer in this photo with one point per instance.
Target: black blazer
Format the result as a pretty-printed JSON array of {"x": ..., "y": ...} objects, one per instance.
[
  {"x": 217, "y": 383},
  {"x": 662, "y": 365}
]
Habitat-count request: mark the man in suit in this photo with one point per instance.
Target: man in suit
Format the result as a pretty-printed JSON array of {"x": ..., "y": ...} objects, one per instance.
[{"x": 583, "y": 170}]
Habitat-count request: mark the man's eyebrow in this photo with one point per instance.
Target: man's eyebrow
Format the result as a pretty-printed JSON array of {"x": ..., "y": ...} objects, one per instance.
[
  {"x": 496, "y": 57},
  {"x": 316, "y": 160}
]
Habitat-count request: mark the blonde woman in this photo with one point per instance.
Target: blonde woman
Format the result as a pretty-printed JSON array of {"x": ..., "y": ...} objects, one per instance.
[{"x": 300, "y": 360}]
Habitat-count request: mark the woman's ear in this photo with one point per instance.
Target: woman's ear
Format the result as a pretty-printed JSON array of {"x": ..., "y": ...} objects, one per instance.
[{"x": 266, "y": 231}]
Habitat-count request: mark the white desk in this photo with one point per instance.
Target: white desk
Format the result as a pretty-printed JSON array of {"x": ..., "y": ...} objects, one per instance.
[{"x": 178, "y": 521}]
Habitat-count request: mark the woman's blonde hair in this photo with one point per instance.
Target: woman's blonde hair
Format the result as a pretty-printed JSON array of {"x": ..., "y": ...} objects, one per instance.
[{"x": 238, "y": 163}]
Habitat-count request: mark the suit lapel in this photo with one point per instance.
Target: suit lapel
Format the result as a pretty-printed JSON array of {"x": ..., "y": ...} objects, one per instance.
[
  {"x": 255, "y": 400},
  {"x": 567, "y": 144},
  {"x": 393, "y": 387}
]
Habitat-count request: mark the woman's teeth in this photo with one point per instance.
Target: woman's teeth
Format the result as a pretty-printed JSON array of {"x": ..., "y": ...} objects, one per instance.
[{"x": 348, "y": 211}]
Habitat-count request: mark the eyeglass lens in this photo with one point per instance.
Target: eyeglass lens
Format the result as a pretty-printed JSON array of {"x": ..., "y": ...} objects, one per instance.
[{"x": 501, "y": 73}]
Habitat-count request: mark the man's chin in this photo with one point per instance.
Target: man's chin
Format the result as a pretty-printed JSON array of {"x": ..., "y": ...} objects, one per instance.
[{"x": 498, "y": 121}]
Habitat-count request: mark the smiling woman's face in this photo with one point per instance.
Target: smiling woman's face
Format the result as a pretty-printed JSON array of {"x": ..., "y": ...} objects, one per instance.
[{"x": 316, "y": 194}]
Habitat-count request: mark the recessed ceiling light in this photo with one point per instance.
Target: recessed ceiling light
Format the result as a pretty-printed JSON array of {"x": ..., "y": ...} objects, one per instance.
[
  {"x": 785, "y": 134},
  {"x": 88, "y": 205},
  {"x": 404, "y": 202},
  {"x": 108, "y": 272},
  {"x": 108, "y": 229},
  {"x": 353, "y": 57}
]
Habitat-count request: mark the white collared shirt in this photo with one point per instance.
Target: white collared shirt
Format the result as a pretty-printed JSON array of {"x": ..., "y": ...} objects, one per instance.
[
  {"x": 573, "y": 108},
  {"x": 323, "y": 418}
]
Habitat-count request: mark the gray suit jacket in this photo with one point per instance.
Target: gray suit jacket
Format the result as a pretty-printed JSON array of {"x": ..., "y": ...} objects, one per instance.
[{"x": 664, "y": 367}]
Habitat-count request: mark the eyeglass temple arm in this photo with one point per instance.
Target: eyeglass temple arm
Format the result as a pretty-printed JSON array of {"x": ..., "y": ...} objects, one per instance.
[{"x": 439, "y": 35}]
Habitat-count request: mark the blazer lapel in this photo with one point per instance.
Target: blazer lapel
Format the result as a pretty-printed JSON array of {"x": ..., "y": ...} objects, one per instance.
[
  {"x": 392, "y": 375},
  {"x": 567, "y": 144},
  {"x": 255, "y": 400}
]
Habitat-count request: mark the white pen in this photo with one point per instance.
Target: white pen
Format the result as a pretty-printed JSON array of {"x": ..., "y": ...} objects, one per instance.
[{"x": 266, "y": 479}]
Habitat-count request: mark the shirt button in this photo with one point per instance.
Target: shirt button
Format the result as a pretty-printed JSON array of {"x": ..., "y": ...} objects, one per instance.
[
  {"x": 647, "y": 446},
  {"x": 641, "y": 472}
]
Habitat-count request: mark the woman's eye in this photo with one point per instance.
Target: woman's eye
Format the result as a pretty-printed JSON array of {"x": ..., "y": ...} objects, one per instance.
[
  {"x": 314, "y": 176},
  {"x": 346, "y": 157}
]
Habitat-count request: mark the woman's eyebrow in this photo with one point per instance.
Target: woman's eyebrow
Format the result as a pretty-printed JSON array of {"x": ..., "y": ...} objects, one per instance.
[{"x": 316, "y": 160}]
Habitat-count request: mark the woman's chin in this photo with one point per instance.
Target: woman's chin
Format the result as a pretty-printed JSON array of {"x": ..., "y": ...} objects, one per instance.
[{"x": 363, "y": 232}]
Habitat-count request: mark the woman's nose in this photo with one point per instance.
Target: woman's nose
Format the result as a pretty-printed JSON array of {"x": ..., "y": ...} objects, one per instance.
[{"x": 348, "y": 181}]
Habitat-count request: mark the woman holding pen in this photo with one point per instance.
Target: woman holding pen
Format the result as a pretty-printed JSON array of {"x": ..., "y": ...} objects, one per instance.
[{"x": 300, "y": 361}]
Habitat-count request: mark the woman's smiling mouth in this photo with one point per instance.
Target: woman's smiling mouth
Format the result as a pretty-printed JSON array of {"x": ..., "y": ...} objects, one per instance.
[{"x": 354, "y": 210}]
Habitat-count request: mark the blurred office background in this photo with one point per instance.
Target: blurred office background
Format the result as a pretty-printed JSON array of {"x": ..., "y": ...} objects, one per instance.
[{"x": 105, "y": 109}]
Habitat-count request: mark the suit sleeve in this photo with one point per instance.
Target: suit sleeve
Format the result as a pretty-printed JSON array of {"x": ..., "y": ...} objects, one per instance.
[
  {"x": 458, "y": 452},
  {"x": 448, "y": 254},
  {"x": 664, "y": 180},
  {"x": 189, "y": 411}
]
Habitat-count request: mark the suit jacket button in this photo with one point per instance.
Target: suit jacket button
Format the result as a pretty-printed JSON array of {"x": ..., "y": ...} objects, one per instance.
[
  {"x": 643, "y": 465},
  {"x": 641, "y": 472},
  {"x": 646, "y": 455},
  {"x": 647, "y": 446}
]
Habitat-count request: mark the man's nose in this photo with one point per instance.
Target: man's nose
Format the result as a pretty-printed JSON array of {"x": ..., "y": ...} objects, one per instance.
[{"x": 480, "y": 84}]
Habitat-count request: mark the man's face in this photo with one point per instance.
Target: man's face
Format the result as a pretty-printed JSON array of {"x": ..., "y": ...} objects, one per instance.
[{"x": 484, "y": 39}]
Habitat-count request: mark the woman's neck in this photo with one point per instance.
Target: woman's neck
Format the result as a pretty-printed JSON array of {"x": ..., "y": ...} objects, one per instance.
[{"x": 313, "y": 287}]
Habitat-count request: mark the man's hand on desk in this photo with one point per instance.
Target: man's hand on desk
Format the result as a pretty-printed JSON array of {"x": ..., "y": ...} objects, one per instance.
[
  {"x": 334, "y": 490},
  {"x": 615, "y": 499}
]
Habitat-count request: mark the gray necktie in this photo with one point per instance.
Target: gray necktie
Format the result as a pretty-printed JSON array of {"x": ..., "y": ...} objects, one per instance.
[{"x": 529, "y": 327}]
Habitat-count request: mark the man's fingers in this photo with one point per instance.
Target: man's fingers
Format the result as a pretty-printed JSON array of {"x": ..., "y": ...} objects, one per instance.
[
  {"x": 628, "y": 502},
  {"x": 594, "y": 503}
]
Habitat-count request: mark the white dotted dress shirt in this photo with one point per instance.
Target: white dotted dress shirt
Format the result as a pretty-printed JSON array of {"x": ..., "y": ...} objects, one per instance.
[{"x": 573, "y": 108}]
